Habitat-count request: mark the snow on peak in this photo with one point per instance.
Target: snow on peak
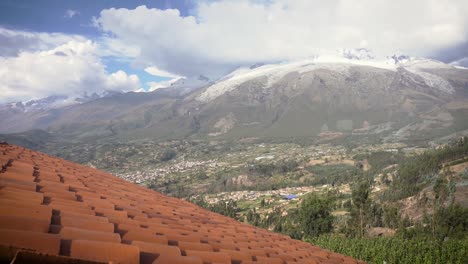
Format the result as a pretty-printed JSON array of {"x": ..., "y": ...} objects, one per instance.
[
  {"x": 57, "y": 101},
  {"x": 340, "y": 61},
  {"x": 358, "y": 54},
  {"x": 415, "y": 62},
  {"x": 420, "y": 67}
]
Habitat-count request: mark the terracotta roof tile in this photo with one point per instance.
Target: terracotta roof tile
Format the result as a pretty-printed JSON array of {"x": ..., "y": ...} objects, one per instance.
[
  {"x": 238, "y": 256},
  {"x": 268, "y": 260},
  {"x": 111, "y": 212},
  {"x": 41, "y": 242},
  {"x": 77, "y": 233},
  {"x": 51, "y": 192},
  {"x": 210, "y": 257},
  {"x": 14, "y": 193},
  {"x": 62, "y": 208},
  {"x": 18, "y": 184},
  {"x": 105, "y": 251},
  {"x": 71, "y": 208},
  {"x": 22, "y": 208},
  {"x": 157, "y": 248},
  {"x": 84, "y": 216},
  {"x": 183, "y": 245},
  {"x": 139, "y": 235},
  {"x": 86, "y": 223},
  {"x": 169, "y": 259},
  {"x": 24, "y": 223},
  {"x": 119, "y": 220}
]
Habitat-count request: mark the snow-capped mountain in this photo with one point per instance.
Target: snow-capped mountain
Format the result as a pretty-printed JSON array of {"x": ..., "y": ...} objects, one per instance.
[
  {"x": 40, "y": 104},
  {"x": 339, "y": 62},
  {"x": 344, "y": 92},
  {"x": 54, "y": 102},
  {"x": 357, "y": 54},
  {"x": 188, "y": 84}
]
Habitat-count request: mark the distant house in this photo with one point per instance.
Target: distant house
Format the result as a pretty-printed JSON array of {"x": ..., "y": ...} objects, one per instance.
[{"x": 290, "y": 196}]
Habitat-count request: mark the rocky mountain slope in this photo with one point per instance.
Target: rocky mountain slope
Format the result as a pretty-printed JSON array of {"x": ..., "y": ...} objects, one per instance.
[{"x": 326, "y": 97}]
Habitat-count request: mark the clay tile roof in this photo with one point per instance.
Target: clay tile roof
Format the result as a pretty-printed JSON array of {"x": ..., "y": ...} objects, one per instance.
[{"x": 60, "y": 210}]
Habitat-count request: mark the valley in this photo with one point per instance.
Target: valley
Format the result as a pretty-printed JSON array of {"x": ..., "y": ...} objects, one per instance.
[
  {"x": 235, "y": 132},
  {"x": 341, "y": 153},
  {"x": 266, "y": 183},
  {"x": 276, "y": 175}
]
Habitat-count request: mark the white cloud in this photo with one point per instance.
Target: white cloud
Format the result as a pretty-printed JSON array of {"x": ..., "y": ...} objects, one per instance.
[
  {"x": 225, "y": 34},
  {"x": 111, "y": 47},
  {"x": 161, "y": 73},
  {"x": 121, "y": 81},
  {"x": 12, "y": 42},
  {"x": 69, "y": 13},
  {"x": 461, "y": 62},
  {"x": 69, "y": 69},
  {"x": 161, "y": 84}
]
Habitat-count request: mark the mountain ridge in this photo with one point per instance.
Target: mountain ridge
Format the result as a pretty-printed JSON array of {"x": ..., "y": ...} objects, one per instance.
[{"x": 302, "y": 98}]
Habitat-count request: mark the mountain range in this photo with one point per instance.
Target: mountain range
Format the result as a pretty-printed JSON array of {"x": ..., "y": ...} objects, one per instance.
[{"x": 324, "y": 97}]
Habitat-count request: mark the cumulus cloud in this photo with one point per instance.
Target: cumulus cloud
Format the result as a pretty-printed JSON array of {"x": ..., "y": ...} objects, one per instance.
[
  {"x": 70, "y": 13},
  {"x": 12, "y": 42},
  {"x": 111, "y": 47},
  {"x": 225, "y": 34},
  {"x": 70, "y": 69}
]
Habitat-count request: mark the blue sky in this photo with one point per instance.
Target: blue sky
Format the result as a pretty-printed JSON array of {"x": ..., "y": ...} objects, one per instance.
[
  {"x": 55, "y": 47},
  {"x": 76, "y": 17},
  {"x": 50, "y": 15}
]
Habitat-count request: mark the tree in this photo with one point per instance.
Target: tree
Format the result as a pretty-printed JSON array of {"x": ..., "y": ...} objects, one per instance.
[
  {"x": 167, "y": 155},
  {"x": 361, "y": 204},
  {"x": 225, "y": 207},
  {"x": 253, "y": 217},
  {"x": 441, "y": 190},
  {"x": 451, "y": 221},
  {"x": 391, "y": 216},
  {"x": 200, "y": 201},
  {"x": 201, "y": 175},
  {"x": 315, "y": 215}
]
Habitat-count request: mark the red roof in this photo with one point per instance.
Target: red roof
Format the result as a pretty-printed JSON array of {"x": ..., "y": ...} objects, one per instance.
[{"x": 50, "y": 206}]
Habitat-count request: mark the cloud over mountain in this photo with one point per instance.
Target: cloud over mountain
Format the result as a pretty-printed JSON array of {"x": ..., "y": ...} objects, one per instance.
[
  {"x": 13, "y": 42},
  {"x": 148, "y": 48},
  {"x": 72, "y": 68},
  {"x": 221, "y": 35}
]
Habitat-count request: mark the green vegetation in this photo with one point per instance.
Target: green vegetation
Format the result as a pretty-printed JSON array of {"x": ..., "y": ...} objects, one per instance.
[
  {"x": 440, "y": 237},
  {"x": 381, "y": 159},
  {"x": 447, "y": 223},
  {"x": 345, "y": 196},
  {"x": 167, "y": 155},
  {"x": 315, "y": 215},
  {"x": 268, "y": 169},
  {"x": 333, "y": 174},
  {"x": 396, "y": 249},
  {"x": 360, "y": 211},
  {"x": 228, "y": 208},
  {"x": 416, "y": 172}
]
